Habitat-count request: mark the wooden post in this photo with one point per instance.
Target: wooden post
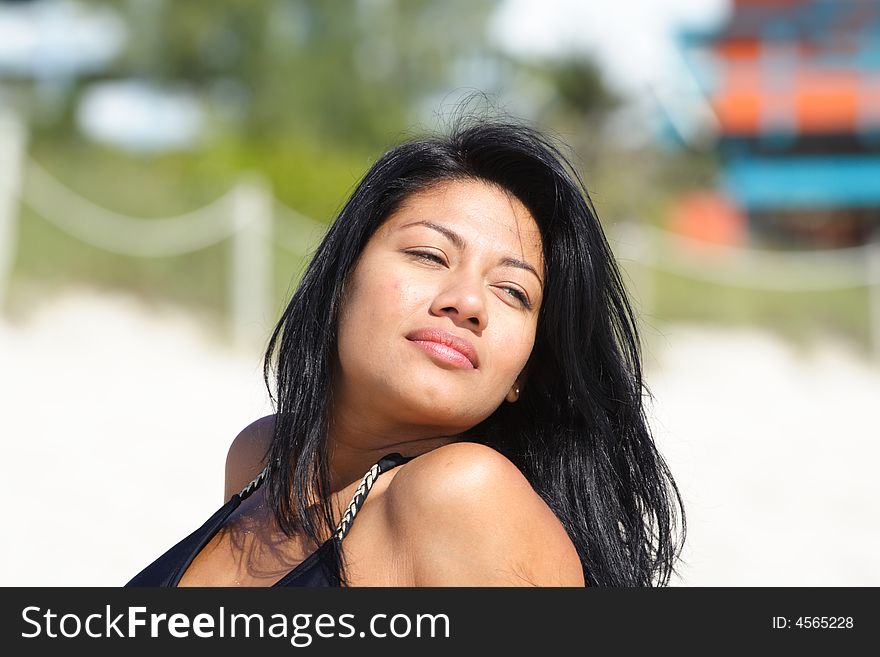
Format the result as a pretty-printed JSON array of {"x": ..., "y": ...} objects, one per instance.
[
  {"x": 12, "y": 145},
  {"x": 250, "y": 285},
  {"x": 635, "y": 245}
]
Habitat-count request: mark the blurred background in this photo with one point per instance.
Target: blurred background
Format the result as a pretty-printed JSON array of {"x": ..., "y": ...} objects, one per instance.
[{"x": 167, "y": 166}]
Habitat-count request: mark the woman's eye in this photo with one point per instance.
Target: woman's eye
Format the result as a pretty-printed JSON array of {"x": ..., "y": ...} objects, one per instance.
[
  {"x": 518, "y": 295},
  {"x": 428, "y": 256}
]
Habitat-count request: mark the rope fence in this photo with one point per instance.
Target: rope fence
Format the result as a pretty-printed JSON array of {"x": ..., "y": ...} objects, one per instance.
[
  {"x": 655, "y": 249},
  {"x": 757, "y": 269},
  {"x": 125, "y": 235},
  {"x": 255, "y": 221}
]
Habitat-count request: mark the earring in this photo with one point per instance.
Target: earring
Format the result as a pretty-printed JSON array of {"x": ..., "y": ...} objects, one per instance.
[{"x": 515, "y": 394}]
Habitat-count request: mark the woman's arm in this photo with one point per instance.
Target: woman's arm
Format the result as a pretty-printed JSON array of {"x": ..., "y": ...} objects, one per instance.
[
  {"x": 246, "y": 456},
  {"x": 464, "y": 515}
]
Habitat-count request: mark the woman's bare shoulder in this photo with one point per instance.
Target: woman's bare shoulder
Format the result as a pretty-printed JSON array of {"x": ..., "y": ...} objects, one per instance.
[
  {"x": 247, "y": 454},
  {"x": 464, "y": 515},
  {"x": 457, "y": 469}
]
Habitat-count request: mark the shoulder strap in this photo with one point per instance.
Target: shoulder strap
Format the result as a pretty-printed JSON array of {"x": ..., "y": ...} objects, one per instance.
[
  {"x": 384, "y": 464},
  {"x": 254, "y": 485}
]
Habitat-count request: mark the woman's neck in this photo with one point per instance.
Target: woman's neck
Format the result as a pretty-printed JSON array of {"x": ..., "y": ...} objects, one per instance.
[{"x": 352, "y": 452}]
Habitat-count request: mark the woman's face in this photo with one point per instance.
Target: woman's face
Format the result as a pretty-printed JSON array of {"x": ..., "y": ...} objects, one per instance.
[{"x": 460, "y": 263}]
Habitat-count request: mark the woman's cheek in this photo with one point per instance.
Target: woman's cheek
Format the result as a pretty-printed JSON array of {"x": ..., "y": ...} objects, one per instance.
[
  {"x": 518, "y": 347},
  {"x": 408, "y": 293},
  {"x": 387, "y": 290}
]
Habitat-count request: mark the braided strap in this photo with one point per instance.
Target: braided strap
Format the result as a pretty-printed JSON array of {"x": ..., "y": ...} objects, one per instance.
[
  {"x": 359, "y": 495},
  {"x": 354, "y": 506},
  {"x": 254, "y": 485}
]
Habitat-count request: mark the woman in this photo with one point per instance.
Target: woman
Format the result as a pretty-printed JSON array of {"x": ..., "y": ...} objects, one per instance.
[{"x": 462, "y": 336}]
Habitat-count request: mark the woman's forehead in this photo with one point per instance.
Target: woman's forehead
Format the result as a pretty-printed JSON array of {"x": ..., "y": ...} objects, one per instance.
[{"x": 473, "y": 210}]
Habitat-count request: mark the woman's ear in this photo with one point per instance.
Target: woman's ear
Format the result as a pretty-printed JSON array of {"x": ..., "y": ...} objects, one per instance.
[{"x": 520, "y": 382}]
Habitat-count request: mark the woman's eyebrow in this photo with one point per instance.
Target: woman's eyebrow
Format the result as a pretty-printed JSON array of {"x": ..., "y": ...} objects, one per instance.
[
  {"x": 450, "y": 234},
  {"x": 459, "y": 242},
  {"x": 521, "y": 264}
]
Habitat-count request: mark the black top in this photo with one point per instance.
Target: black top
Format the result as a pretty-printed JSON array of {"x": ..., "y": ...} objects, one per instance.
[{"x": 318, "y": 569}]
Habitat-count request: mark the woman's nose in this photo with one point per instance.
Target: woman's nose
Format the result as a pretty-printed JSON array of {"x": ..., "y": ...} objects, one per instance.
[{"x": 463, "y": 302}]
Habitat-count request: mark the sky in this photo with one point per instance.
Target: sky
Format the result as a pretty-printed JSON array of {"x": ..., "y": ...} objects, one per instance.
[
  {"x": 631, "y": 39},
  {"x": 62, "y": 38}
]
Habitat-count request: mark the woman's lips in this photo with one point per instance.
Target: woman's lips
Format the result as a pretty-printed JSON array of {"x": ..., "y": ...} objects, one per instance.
[
  {"x": 444, "y": 353},
  {"x": 445, "y": 347}
]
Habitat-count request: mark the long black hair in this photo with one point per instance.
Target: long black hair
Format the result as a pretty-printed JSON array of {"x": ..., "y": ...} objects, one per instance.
[{"x": 578, "y": 433}]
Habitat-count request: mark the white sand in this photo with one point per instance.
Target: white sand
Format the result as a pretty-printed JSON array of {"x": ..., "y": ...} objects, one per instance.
[
  {"x": 116, "y": 423},
  {"x": 116, "y": 420},
  {"x": 775, "y": 453}
]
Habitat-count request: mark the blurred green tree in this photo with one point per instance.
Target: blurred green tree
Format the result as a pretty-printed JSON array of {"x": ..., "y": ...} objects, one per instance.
[{"x": 350, "y": 71}]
